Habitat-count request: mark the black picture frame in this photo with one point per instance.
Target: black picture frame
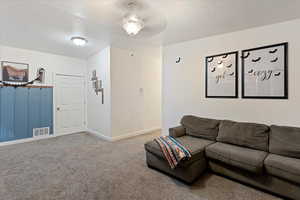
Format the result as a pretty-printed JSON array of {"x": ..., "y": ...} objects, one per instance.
[
  {"x": 236, "y": 53},
  {"x": 245, "y": 54},
  {"x": 14, "y": 66}
]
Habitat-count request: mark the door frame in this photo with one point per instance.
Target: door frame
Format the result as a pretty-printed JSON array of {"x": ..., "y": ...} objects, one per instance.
[{"x": 55, "y": 75}]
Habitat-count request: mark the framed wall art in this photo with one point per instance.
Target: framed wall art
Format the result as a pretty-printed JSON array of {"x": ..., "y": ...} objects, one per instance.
[
  {"x": 265, "y": 72},
  {"x": 14, "y": 72},
  {"x": 222, "y": 75}
]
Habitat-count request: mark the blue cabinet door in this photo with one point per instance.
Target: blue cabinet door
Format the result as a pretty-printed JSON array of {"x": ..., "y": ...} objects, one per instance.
[
  {"x": 46, "y": 110},
  {"x": 40, "y": 109},
  {"x": 7, "y": 108},
  {"x": 21, "y": 113},
  {"x": 34, "y": 107}
]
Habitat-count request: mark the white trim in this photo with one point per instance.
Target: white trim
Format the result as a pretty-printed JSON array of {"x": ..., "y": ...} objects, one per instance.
[
  {"x": 136, "y": 133},
  {"x": 32, "y": 139},
  {"x": 121, "y": 137},
  {"x": 100, "y": 135},
  {"x": 96, "y": 133},
  {"x": 54, "y": 103},
  {"x": 71, "y": 132}
]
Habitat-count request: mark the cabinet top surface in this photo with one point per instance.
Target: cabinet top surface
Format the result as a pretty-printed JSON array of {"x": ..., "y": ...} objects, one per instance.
[{"x": 29, "y": 86}]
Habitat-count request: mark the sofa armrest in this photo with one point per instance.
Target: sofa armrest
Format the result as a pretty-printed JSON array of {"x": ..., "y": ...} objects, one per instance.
[{"x": 177, "y": 131}]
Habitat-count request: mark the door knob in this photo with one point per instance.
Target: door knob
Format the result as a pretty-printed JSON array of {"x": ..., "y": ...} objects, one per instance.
[{"x": 58, "y": 108}]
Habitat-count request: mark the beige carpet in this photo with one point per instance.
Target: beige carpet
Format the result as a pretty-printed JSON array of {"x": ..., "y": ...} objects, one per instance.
[{"x": 83, "y": 167}]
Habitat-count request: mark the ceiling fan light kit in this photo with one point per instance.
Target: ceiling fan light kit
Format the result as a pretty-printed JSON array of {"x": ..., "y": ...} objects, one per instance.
[{"x": 132, "y": 24}]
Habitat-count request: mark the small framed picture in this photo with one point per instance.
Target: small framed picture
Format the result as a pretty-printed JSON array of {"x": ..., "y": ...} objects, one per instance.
[
  {"x": 265, "y": 72},
  {"x": 222, "y": 76},
  {"x": 14, "y": 72}
]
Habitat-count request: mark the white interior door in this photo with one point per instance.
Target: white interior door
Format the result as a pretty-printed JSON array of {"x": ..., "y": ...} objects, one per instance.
[{"x": 70, "y": 104}]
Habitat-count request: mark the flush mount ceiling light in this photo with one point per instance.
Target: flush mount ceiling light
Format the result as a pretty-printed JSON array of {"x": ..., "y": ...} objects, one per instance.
[
  {"x": 132, "y": 24},
  {"x": 79, "y": 41}
]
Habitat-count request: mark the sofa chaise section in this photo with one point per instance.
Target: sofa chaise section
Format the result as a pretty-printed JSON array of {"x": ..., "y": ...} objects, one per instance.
[
  {"x": 188, "y": 170},
  {"x": 195, "y": 146},
  {"x": 196, "y": 140}
]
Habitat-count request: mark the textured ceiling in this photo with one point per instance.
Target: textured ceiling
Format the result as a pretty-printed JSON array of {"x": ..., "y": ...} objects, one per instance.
[{"x": 48, "y": 25}]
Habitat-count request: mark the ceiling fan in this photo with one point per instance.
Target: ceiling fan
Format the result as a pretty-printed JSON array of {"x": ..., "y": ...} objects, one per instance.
[
  {"x": 132, "y": 23},
  {"x": 139, "y": 18}
]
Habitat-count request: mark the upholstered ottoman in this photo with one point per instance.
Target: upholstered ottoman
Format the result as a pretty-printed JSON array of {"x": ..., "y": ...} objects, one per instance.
[{"x": 188, "y": 170}]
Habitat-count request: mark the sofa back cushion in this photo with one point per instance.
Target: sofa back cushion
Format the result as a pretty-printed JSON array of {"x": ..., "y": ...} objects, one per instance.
[
  {"x": 250, "y": 135},
  {"x": 285, "y": 141},
  {"x": 200, "y": 127}
]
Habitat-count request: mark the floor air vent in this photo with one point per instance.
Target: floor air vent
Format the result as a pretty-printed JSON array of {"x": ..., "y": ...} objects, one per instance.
[{"x": 41, "y": 132}]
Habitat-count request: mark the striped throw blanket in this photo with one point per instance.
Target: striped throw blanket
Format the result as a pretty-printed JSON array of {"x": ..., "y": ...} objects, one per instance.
[{"x": 173, "y": 151}]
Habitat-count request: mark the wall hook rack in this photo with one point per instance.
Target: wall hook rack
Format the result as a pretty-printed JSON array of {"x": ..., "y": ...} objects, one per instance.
[{"x": 97, "y": 85}]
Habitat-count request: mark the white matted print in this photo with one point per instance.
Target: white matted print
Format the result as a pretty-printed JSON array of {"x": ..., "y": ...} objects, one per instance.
[
  {"x": 222, "y": 76},
  {"x": 264, "y": 72}
]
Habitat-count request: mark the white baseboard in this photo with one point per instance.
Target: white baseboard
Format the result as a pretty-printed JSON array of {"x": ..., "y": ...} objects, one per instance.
[
  {"x": 25, "y": 140},
  {"x": 100, "y": 135},
  {"x": 121, "y": 137},
  {"x": 133, "y": 134},
  {"x": 71, "y": 132},
  {"x": 32, "y": 139},
  {"x": 96, "y": 133}
]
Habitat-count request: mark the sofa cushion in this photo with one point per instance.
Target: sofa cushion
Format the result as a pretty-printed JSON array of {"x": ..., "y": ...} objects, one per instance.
[
  {"x": 178, "y": 131},
  {"x": 196, "y": 146},
  {"x": 283, "y": 167},
  {"x": 285, "y": 141},
  {"x": 244, "y": 158},
  {"x": 244, "y": 134},
  {"x": 200, "y": 127}
]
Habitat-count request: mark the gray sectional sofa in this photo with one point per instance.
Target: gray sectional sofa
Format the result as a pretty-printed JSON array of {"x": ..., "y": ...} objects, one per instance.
[{"x": 264, "y": 157}]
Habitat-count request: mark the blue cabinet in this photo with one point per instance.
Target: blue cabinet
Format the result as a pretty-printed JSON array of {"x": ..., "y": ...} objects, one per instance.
[{"x": 22, "y": 109}]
